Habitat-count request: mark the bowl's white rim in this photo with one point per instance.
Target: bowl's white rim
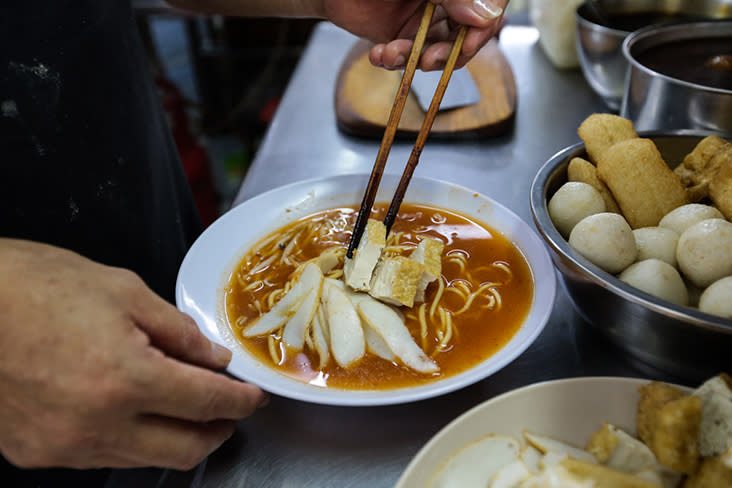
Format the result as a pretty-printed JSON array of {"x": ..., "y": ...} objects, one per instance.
[
  {"x": 483, "y": 409},
  {"x": 279, "y": 384}
]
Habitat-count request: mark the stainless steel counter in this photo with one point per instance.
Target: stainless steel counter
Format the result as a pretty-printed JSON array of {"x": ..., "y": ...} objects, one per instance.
[{"x": 295, "y": 444}]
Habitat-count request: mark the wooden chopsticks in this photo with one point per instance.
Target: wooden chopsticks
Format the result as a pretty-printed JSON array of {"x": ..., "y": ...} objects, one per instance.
[
  {"x": 425, "y": 129},
  {"x": 393, "y": 123}
]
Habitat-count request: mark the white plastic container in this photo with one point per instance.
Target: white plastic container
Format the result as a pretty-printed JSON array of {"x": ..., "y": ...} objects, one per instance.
[{"x": 555, "y": 20}]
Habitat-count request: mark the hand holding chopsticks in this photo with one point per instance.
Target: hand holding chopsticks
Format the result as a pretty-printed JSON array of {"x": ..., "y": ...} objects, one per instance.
[{"x": 393, "y": 123}]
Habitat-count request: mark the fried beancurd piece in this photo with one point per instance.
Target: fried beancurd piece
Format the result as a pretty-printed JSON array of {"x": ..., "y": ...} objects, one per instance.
[
  {"x": 642, "y": 183},
  {"x": 700, "y": 167},
  {"x": 699, "y": 158},
  {"x": 720, "y": 189},
  {"x": 653, "y": 396},
  {"x": 696, "y": 193},
  {"x": 668, "y": 423},
  {"x": 395, "y": 280},
  {"x": 358, "y": 270},
  {"x": 676, "y": 437},
  {"x": 712, "y": 473},
  {"x": 600, "y": 131},
  {"x": 686, "y": 175},
  {"x": 585, "y": 172},
  {"x": 428, "y": 253}
]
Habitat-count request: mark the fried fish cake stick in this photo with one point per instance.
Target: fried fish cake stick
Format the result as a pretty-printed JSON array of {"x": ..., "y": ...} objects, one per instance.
[
  {"x": 585, "y": 172},
  {"x": 642, "y": 183},
  {"x": 600, "y": 131}
]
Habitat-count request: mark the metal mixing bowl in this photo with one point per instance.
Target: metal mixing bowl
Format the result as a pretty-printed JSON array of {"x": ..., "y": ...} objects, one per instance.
[
  {"x": 600, "y": 41},
  {"x": 600, "y": 53},
  {"x": 676, "y": 339},
  {"x": 654, "y": 100}
]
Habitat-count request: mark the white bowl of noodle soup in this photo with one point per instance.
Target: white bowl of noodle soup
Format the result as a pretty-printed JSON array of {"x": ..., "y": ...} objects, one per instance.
[{"x": 206, "y": 271}]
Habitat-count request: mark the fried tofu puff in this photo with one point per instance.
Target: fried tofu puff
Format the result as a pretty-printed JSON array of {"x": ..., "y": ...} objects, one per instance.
[
  {"x": 712, "y": 473},
  {"x": 642, "y": 183},
  {"x": 700, "y": 157},
  {"x": 676, "y": 437},
  {"x": 669, "y": 423},
  {"x": 686, "y": 176},
  {"x": 600, "y": 131},
  {"x": 652, "y": 397},
  {"x": 701, "y": 165},
  {"x": 720, "y": 188},
  {"x": 585, "y": 172}
]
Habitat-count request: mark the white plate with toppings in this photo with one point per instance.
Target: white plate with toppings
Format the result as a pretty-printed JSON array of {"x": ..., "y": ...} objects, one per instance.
[
  {"x": 209, "y": 270},
  {"x": 567, "y": 410}
]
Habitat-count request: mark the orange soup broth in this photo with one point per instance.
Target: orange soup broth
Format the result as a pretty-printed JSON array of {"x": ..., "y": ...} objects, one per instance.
[{"x": 478, "y": 332}]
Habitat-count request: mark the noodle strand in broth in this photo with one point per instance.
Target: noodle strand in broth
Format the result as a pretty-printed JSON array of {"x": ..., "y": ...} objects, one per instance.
[{"x": 450, "y": 326}]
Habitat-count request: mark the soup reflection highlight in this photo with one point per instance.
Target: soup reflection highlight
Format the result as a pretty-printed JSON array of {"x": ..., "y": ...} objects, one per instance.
[{"x": 469, "y": 312}]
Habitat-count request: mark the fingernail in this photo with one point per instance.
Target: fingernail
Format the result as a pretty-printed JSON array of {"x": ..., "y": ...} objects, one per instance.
[
  {"x": 221, "y": 353},
  {"x": 487, "y": 9},
  {"x": 400, "y": 61},
  {"x": 265, "y": 401}
]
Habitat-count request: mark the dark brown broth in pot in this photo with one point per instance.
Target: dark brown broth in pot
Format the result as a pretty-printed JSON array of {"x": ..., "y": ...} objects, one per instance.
[
  {"x": 479, "y": 333},
  {"x": 692, "y": 60}
]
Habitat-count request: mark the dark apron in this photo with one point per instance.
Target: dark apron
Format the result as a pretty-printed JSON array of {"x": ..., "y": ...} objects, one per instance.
[{"x": 87, "y": 161}]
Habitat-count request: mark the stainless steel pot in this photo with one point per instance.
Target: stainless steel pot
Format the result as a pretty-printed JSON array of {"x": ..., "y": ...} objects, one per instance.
[
  {"x": 599, "y": 42},
  {"x": 676, "y": 339},
  {"x": 656, "y": 101},
  {"x": 600, "y": 53}
]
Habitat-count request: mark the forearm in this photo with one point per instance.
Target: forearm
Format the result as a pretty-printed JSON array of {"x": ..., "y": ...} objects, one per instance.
[{"x": 254, "y": 8}]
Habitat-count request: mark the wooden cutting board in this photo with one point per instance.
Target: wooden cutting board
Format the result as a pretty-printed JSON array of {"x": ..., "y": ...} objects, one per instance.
[{"x": 364, "y": 95}]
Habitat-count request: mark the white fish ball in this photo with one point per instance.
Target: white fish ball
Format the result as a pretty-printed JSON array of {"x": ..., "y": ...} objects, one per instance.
[
  {"x": 573, "y": 202},
  {"x": 704, "y": 251},
  {"x": 717, "y": 298},
  {"x": 683, "y": 217},
  {"x": 657, "y": 278},
  {"x": 656, "y": 242},
  {"x": 606, "y": 240}
]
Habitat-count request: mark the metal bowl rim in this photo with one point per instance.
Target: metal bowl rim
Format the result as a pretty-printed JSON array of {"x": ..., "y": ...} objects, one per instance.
[
  {"x": 598, "y": 276},
  {"x": 582, "y": 20},
  {"x": 656, "y": 30}
]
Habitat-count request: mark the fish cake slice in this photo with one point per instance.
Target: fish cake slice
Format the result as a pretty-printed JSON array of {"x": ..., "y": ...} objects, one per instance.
[
  {"x": 600, "y": 131},
  {"x": 641, "y": 182},
  {"x": 585, "y": 172}
]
